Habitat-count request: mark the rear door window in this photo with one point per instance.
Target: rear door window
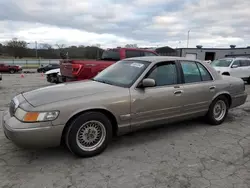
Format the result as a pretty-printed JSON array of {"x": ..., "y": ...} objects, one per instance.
[
  {"x": 112, "y": 54},
  {"x": 205, "y": 75},
  {"x": 194, "y": 72},
  {"x": 149, "y": 54},
  {"x": 244, "y": 63},
  {"x": 133, "y": 53}
]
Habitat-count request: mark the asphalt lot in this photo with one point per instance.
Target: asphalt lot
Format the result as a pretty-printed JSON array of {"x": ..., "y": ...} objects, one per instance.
[{"x": 185, "y": 155}]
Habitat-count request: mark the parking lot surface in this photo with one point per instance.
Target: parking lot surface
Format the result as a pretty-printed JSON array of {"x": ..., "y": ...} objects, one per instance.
[{"x": 190, "y": 154}]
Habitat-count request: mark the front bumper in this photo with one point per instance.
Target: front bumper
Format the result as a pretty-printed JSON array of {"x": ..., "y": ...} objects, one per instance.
[
  {"x": 239, "y": 100},
  {"x": 43, "y": 136}
]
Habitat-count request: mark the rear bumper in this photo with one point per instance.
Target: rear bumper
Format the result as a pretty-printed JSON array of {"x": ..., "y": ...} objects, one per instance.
[
  {"x": 239, "y": 100},
  {"x": 67, "y": 79}
]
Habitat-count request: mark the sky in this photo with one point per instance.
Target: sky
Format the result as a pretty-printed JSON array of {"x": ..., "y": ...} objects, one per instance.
[{"x": 112, "y": 23}]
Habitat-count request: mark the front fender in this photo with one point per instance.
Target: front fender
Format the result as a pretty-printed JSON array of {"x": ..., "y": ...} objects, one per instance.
[{"x": 53, "y": 71}]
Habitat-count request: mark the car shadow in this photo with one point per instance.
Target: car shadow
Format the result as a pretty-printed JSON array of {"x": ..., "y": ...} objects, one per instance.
[{"x": 140, "y": 137}]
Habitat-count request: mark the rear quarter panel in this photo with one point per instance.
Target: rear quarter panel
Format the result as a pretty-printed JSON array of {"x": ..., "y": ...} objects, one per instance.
[
  {"x": 226, "y": 84},
  {"x": 234, "y": 87}
]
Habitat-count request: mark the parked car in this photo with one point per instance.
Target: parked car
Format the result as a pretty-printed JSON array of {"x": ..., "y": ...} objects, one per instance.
[
  {"x": 131, "y": 94},
  {"x": 237, "y": 67},
  {"x": 207, "y": 61},
  {"x": 73, "y": 70},
  {"x": 53, "y": 75},
  {"x": 48, "y": 67},
  {"x": 1, "y": 77},
  {"x": 10, "y": 68}
]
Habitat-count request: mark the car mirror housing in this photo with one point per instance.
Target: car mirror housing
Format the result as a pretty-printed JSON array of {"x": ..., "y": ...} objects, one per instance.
[
  {"x": 148, "y": 82},
  {"x": 235, "y": 66}
]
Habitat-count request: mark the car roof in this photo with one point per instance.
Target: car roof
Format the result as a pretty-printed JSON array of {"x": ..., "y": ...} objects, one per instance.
[
  {"x": 155, "y": 59},
  {"x": 235, "y": 58}
]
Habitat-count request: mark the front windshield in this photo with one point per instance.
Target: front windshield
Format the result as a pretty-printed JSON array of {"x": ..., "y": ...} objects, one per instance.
[
  {"x": 222, "y": 63},
  {"x": 123, "y": 73},
  {"x": 112, "y": 54}
]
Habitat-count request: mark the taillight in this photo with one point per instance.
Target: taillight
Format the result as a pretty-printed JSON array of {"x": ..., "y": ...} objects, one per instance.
[{"x": 76, "y": 68}]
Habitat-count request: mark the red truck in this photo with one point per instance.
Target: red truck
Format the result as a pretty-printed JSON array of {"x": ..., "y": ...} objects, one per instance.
[
  {"x": 10, "y": 68},
  {"x": 73, "y": 70}
]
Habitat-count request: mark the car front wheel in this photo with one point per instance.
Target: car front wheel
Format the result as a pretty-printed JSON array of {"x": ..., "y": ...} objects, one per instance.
[
  {"x": 248, "y": 80},
  {"x": 89, "y": 134},
  {"x": 12, "y": 71},
  {"x": 218, "y": 111}
]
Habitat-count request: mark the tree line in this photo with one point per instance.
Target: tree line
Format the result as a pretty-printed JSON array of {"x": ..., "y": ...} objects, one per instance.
[{"x": 18, "y": 49}]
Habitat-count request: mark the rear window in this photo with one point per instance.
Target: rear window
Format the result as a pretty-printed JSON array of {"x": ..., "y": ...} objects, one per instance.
[{"x": 112, "y": 54}]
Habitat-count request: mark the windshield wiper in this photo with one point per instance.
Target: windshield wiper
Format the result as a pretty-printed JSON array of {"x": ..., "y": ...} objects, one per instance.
[{"x": 103, "y": 81}]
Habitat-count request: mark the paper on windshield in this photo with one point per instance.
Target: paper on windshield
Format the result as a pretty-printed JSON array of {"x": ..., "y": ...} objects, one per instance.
[{"x": 138, "y": 65}]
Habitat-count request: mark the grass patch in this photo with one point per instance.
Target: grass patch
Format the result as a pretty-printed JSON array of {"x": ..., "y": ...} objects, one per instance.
[{"x": 30, "y": 66}]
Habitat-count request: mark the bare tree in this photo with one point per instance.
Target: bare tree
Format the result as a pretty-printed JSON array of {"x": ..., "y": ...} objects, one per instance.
[
  {"x": 46, "y": 46},
  {"x": 60, "y": 46},
  {"x": 17, "y": 47}
]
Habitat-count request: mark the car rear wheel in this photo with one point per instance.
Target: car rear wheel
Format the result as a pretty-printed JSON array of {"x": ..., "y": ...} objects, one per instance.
[
  {"x": 89, "y": 134},
  {"x": 226, "y": 74},
  {"x": 218, "y": 111}
]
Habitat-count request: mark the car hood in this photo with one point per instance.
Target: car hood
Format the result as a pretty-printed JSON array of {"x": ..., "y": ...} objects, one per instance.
[
  {"x": 221, "y": 69},
  {"x": 53, "y": 71},
  {"x": 67, "y": 91}
]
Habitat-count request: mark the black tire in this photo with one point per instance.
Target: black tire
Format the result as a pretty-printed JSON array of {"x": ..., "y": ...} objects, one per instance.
[
  {"x": 210, "y": 116},
  {"x": 12, "y": 71},
  {"x": 77, "y": 123},
  {"x": 248, "y": 80},
  {"x": 48, "y": 78},
  {"x": 225, "y": 74}
]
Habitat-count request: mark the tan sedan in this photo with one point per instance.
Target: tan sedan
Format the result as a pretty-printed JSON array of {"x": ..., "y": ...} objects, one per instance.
[{"x": 131, "y": 94}]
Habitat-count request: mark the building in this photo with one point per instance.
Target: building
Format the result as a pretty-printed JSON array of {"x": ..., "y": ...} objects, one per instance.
[
  {"x": 212, "y": 53},
  {"x": 166, "y": 51}
]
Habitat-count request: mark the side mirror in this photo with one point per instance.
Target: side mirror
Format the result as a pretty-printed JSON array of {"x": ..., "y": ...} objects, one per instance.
[
  {"x": 148, "y": 82},
  {"x": 235, "y": 66}
]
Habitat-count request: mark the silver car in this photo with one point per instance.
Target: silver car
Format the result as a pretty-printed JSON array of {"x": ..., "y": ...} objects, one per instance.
[{"x": 131, "y": 94}]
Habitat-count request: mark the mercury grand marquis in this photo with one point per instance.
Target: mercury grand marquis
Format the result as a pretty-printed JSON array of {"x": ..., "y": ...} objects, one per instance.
[{"x": 131, "y": 94}]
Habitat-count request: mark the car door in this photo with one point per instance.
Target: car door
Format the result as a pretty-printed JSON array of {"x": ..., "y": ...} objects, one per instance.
[
  {"x": 244, "y": 66},
  {"x": 198, "y": 88},
  {"x": 247, "y": 68},
  {"x": 1, "y": 67},
  {"x": 49, "y": 67},
  {"x": 155, "y": 105},
  {"x": 5, "y": 68},
  {"x": 236, "y": 71}
]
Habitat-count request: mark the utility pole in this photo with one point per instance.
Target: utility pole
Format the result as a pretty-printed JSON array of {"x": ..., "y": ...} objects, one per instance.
[
  {"x": 188, "y": 38},
  {"x": 36, "y": 48}
]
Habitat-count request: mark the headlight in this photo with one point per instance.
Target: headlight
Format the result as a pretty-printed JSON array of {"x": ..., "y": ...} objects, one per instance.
[{"x": 35, "y": 116}]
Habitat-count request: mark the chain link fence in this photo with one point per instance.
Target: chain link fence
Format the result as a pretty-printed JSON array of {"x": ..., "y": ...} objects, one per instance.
[{"x": 29, "y": 63}]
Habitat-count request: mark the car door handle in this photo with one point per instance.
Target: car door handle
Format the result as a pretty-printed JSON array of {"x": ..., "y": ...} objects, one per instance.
[
  {"x": 212, "y": 87},
  {"x": 178, "y": 92}
]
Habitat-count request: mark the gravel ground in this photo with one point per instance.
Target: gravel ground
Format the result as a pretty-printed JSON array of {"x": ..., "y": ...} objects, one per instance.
[{"x": 185, "y": 155}]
